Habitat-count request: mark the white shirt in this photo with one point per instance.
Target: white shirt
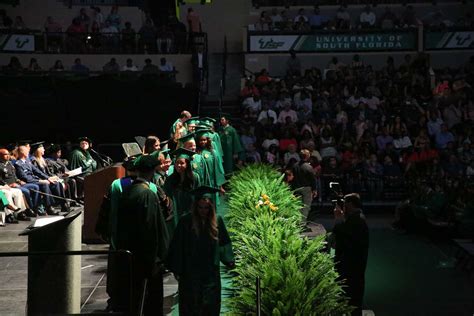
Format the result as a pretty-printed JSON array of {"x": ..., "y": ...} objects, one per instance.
[
  {"x": 266, "y": 114},
  {"x": 268, "y": 142},
  {"x": 110, "y": 29},
  {"x": 168, "y": 67},
  {"x": 284, "y": 114},
  {"x": 132, "y": 68},
  {"x": 373, "y": 103},
  {"x": 401, "y": 143},
  {"x": 367, "y": 18},
  {"x": 297, "y": 18},
  {"x": 200, "y": 61},
  {"x": 254, "y": 106}
]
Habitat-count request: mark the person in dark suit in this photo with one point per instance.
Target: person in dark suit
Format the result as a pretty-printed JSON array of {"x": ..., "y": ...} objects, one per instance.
[
  {"x": 8, "y": 177},
  {"x": 199, "y": 62},
  {"x": 29, "y": 173},
  {"x": 352, "y": 246}
]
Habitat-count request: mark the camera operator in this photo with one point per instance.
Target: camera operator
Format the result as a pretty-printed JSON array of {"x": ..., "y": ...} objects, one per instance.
[{"x": 352, "y": 244}]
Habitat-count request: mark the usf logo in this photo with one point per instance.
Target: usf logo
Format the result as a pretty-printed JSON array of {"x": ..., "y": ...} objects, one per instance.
[
  {"x": 21, "y": 42},
  {"x": 270, "y": 44}
]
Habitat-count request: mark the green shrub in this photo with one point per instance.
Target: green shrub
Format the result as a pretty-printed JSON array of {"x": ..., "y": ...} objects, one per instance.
[{"x": 297, "y": 277}]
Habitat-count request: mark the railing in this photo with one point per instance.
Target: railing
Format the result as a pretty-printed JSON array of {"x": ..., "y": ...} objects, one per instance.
[
  {"x": 287, "y": 3},
  {"x": 101, "y": 43},
  {"x": 101, "y": 2},
  {"x": 126, "y": 253}
]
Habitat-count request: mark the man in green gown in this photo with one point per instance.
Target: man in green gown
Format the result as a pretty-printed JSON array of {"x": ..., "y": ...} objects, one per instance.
[
  {"x": 231, "y": 146},
  {"x": 81, "y": 157},
  {"x": 196, "y": 251},
  {"x": 141, "y": 229}
]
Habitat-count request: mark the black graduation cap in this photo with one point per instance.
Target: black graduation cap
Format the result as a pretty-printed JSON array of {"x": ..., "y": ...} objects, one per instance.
[
  {"x": 146, "y": 163},
  {"x": 164, "y": 142},
  {"x": 24, "y": 142},
  {"x": 183, "y": 153},
  {"x": 11, "y": 147},
  {"x": 53, "y": 148},
  {"x": 228, "y": 116},
  {"x": 36, "y": 145},
  {"x": 204, "y": 192},
  {"x": 157, "y": 153},
  {"x": 129, "y": 162},
  {"x": 84, "y": 139}
]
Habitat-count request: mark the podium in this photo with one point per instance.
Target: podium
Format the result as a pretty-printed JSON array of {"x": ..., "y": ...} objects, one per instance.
[
  {"x": 54, "y": 281},
  {"x": 96, "y": 186}
]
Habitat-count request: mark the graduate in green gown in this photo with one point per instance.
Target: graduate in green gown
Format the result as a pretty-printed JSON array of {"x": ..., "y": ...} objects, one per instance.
[
  {"x": 231, "y": 146},
  {"x": 141, "y": 229},
  {"x": 209, "y": 122},
  {"x": 214, "y": 171},
  {"x": 81, "y": 157},
  {"x": 181, "y": 182},
  {"x": 188, "y": 142},
  {"x": 199, "y": 244}
]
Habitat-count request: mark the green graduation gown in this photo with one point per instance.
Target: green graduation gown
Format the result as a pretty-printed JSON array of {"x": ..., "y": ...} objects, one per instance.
[
  {"x": 181, "y": 196},
  {"x": 141, "y": 229},
  {"x": 3, "y": 200},
  {"x": 231, "y": 146},
  {"x": 198, "y": 166},
  {"x": 195, "y": 260},
  {"x": 83, "y": 159},
  {"x": 214, "y": 172}
]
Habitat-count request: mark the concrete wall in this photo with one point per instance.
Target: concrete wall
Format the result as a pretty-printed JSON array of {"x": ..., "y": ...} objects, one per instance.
[
  {"x": 276, "y": 63},
  {"x": 95, "y": 62}
]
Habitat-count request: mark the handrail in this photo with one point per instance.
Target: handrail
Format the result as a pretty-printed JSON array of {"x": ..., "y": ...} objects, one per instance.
[{"x": 258, "y": 297}]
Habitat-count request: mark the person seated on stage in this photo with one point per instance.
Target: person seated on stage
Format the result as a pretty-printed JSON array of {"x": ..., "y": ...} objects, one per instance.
[
  {"x": 59, "y": 167},
  {"x": 82, "y": 158},
  {"x": 152, "y": 144},
  {"x": 48, "y": 186},
  {"x": 8, "y": 178}
]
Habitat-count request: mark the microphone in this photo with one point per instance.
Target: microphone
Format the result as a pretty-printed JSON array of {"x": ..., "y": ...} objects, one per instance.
[{"x": 107, "y": 161}]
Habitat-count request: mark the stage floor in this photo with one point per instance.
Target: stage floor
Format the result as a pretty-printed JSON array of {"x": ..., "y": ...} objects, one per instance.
[{"x": 406, "y": 275}]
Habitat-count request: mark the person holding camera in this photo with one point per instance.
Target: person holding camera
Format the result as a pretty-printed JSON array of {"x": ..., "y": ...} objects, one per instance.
[{"x": 352, "y": 244}]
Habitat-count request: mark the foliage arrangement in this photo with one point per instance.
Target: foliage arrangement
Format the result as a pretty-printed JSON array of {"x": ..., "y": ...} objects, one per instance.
[{"x": 297, "y": 277}]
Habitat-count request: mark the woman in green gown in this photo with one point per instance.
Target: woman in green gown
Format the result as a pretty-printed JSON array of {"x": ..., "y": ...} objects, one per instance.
[
  {"x": 199, "y": 244},
  {"x": 181, "y": 182},
  {"x": 213, "y": 168}
]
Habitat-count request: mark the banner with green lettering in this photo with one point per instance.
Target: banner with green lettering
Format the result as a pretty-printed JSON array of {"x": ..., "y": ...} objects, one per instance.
[
  {"x": 445, "y": 40},
  {"x": 334, "y": 42}
]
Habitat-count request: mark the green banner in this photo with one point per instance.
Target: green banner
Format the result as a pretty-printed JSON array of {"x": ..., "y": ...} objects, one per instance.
[
  {"x": 446, "y": 40},
  {"x": 334, "y": 42}
]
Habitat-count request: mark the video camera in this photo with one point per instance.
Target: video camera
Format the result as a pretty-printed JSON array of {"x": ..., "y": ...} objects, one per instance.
[{"x": 337, "y": 197}]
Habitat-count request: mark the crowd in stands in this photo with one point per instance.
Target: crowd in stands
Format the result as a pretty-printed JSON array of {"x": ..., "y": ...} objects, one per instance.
[
  {"x": 164, "y": 69},
  {"x": 366, "y": 18},
  {"x": 375, "y": 131},
  {"x": 92, "y": 32},
  {"x": 288, "y": 3}
]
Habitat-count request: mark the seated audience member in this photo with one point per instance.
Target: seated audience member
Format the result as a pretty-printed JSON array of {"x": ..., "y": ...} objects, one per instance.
[
  {"x": 129, "y": 66},
  {"x": 287, "y": 112},
  {"x": 164, "y": 38},
  {"x": 367, "y": 18},
  {"x": 49, "y": 186},
  {"x": 165, "y": 66},
  {"x": 33, "y": 66},
  {"x": 111, "y": 67},
  {"x": 84, "y": 19},
  {"x": 75, "y": 41},
  {"x": 110, "y": 36},
  {"x": 267, "y": 116},
  {"x": 79, "y": 68},
  {"x": 58, "y": 66},
  {"x": 150, "y": 68},
  {"x": 114, "y": 18}
]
